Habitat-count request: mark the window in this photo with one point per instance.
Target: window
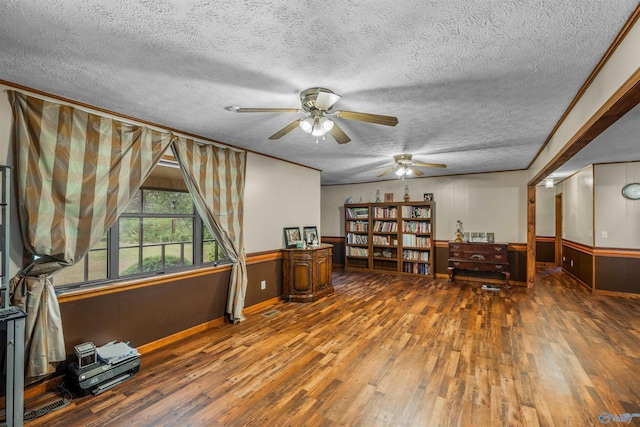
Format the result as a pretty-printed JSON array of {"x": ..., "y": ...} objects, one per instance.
[{"x": 158, "y": 232}]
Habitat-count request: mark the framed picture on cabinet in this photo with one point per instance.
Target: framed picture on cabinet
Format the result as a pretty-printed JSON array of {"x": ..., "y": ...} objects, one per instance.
[
  {"x": 388, "y": 197},
  {"x": 291, "y": 237},
  {"x": 310, "y": 235}
]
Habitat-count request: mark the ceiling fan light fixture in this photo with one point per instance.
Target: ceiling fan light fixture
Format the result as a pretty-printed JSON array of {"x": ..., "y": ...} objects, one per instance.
[
  {"x": 401, "y": 171},
  {"x": 307, "y": 125},
  {"x": 325, "y": 124}
]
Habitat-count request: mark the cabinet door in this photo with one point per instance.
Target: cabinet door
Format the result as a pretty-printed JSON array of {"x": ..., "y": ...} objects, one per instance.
[
  {"x": 323, "y": 269},
  {"x": 301, "y": 273}
]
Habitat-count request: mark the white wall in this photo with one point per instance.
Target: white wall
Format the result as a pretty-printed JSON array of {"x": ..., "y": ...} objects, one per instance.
[
  {"x": 272, "y": 199},
  {"x": 577, "y": 206},
  {"x": 616, "y": 216},
  {"x": 277, "y": 195},
  {"x": 545, "y": 211},
  {"x": 491, "y": 202}
]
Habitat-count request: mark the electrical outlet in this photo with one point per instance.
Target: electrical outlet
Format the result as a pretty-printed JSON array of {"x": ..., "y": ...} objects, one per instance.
[
  {"x": 604, "y": 234},
  {"x": 263, "y": 285},
  {"x": 571, "y": 263}
]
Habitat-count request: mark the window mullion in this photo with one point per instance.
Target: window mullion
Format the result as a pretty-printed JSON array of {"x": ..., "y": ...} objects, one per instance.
[{"x": 113, "y": 251}]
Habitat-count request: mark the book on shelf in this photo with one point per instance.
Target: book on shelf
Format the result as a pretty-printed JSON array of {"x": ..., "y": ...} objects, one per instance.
[
  {"x": 357, "y": 213},
  {"x": 410, "y": 255},
  {"x": 382, "y": 240},
  {"x": 385, "y": 212},
  {"x": 416, "y": 212},
  {"x": 415, "y": 268},
  {"x": 415, "y": 241},
  {"x": 385, "y": 226},
  {"x": 416, "y": 227},
  {"x": 357, "y": 239},
  {"x": 362, "y": 226},
  {"x": 356, "y": 251}
]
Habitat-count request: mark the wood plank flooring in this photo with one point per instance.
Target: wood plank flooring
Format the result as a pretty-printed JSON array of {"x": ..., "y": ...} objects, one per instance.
[{"x": 388, "y": 350}]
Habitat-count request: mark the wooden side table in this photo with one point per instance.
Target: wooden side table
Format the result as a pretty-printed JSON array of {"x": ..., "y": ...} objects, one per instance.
[{"x": 307, "y": 273}]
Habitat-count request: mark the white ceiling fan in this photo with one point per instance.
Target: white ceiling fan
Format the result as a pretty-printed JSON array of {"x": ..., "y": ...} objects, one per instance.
[
  {"x": 404, "y": 166},
  {"x": 318, "y": 102}
]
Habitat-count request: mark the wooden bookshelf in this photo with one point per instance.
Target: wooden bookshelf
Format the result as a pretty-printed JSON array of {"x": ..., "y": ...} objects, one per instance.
[{"x": 394, "y": 237}]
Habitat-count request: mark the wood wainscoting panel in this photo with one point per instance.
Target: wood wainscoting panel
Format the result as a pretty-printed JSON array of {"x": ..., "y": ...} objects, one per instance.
[
  {"x": 338, "y": 249},
  {"x": 577, "y": 260},
  {"x": 617, "y": 271},
  {"x": 545, "y": 249}
]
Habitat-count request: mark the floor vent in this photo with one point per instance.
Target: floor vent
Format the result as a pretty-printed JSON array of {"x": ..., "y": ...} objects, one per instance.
[
  {"x": 36, "y": 413},
  {"x": 491, "y": 287},
  {"x": 270, "y": 313}
]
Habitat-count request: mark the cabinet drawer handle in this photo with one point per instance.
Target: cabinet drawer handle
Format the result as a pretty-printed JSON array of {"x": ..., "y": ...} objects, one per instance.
[
  {"x": 498, "y": 256},
  {"x": 498, "y": 249},
  {"x": 499, "y": 267},
  {"x": 477, "y": 269}
]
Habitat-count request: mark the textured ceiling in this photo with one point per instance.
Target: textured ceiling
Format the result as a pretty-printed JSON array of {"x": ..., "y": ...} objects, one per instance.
[{"x": 477, "y": 85}]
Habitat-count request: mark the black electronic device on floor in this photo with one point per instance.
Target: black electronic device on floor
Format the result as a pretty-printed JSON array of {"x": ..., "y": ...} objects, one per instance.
[{"x": 100, "y": 376}]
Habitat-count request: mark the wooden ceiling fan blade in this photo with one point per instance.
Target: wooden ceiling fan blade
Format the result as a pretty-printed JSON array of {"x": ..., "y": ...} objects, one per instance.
[
  {"x": 416, "y": 171},
  {"x": 338, "y": 134},
  {"x": 366, "y": 117},
  {"x": 285, "y": 130},
  {"x": 268, "y": 110},
  {"x": 431, "y": 165},
  {"x": 388, "y": 171}
]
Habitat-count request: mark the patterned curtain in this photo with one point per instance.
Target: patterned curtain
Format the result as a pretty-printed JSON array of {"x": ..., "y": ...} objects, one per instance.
[
  {"x": 215, "y": 178},
  {"x": 75, "y": 174}
]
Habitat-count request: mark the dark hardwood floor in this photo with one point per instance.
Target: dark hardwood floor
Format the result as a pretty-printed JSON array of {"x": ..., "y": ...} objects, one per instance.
[{"x": 388, "y": 350}]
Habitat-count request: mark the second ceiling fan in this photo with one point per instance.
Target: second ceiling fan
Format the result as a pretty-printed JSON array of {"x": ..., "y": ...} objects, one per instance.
[
  {"x": 405, "y": 166},
  {"x": 318, "y": 102}
]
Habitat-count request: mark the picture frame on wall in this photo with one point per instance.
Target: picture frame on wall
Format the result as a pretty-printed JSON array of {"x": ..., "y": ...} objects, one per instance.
[
  {"x": 310, "y": 235},
  {"x": 428, "y": 197},
  {"x": 291, "y": 237}
]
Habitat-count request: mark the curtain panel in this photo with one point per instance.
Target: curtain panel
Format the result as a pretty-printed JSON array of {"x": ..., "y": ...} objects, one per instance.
[
  {"x": 215, "y": 177},
  {"x": 75, "y": 173}
]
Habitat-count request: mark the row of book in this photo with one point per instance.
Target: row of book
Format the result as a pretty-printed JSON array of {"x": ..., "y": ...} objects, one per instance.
[
  {"x": 416, "y": 227},
  {"x": 415, "y": 268},
  {"x": 386, "y": 212},
  {"x": 410, "y": 255},
  {"x": 415, "y": 241},
  {"x": 381, "y": 240},
  {"x": 416, "y": 212},
  {"x": 358, "y": 239},
  {"x": 355, "y": 213},
  {"x": 362, "y": 226},
  {"x": 385, "y": 226},
  {"x": 357, "y": 251}
]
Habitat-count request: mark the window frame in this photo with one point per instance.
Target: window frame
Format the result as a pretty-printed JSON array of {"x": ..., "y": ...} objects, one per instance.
[{"x": 113, "y": 248}]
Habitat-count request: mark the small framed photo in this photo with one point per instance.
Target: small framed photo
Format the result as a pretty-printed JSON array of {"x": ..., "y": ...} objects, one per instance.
[
  {"x": 428, "y": 197},
  {"x": 310, "y": 235},
  {"x": 291, "y": 237},
  {"x": 388, "y": 197}
]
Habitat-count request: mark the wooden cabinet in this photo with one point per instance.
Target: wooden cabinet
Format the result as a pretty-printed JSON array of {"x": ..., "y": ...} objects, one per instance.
[
  {"x": 394, "y": 237},
  {"x": 307, "y": 273},
  {"x": 491, "y": 257}
]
